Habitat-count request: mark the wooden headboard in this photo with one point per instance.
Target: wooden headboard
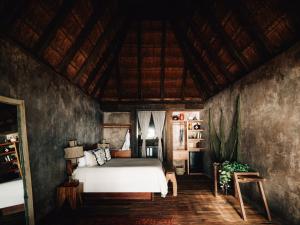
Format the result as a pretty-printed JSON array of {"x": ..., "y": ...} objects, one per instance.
[{"x": 120, "y": 153}]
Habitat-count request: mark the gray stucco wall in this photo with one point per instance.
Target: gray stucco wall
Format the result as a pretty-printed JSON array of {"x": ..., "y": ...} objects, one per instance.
[
  {"x": 56, "y": 111},
  {"x": 270, "y": 129},
  {"x": 115, "y": 136}
]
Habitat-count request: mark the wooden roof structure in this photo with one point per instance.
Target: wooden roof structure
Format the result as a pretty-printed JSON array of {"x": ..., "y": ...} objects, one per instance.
[{"x": 142, "y": 52}]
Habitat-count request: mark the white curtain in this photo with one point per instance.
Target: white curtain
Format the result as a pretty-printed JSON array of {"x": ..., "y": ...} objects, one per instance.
[
  {"x": 159, "y": 122},
  {"x": 144, "y": 120}
]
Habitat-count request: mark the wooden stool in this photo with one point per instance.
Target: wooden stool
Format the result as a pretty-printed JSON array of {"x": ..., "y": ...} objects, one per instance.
[
  {"x": 70, "y": 193},
  {"x": 170, "y": 176},
  {"x": 248, "y": 177}
]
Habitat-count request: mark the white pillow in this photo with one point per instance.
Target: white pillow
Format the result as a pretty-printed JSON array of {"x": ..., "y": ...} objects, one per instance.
[
  {"x": 82, "y": 162},
  {"x": 90, "y": 158},
  {"x": 107, "y": 154},
  {"x": 100, "y": 156}
]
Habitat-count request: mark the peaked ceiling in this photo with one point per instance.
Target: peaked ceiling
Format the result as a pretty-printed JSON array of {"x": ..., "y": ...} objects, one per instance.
[{"x": 152, "y": 51}]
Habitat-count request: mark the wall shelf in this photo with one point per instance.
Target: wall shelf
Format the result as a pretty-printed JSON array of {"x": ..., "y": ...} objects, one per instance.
[{"x": 188, "y": 143}]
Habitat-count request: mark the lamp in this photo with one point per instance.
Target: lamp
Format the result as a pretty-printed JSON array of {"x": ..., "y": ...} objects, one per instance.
[{"x": 73, "y": 152}]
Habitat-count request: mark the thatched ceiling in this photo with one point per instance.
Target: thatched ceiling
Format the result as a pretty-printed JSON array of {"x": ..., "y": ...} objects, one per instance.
[{"x": 152, "y": 51}]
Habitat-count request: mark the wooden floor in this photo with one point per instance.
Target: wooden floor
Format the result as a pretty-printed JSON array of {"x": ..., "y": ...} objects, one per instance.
[{"x": 194, "y": 204}]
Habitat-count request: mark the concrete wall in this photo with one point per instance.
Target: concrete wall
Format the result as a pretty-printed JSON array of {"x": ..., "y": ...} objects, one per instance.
[
  {"x": 115, "y": 136},
  {"x": 56, "y": 111},
  {"x": 270, "y": 129}
]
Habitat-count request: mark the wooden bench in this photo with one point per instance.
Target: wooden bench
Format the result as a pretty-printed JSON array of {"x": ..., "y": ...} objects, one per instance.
[{"x": 170, "y": 176}]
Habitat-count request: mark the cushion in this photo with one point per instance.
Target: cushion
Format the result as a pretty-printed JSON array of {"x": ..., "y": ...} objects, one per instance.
[
  {"x": 100, "y": 156},
  {"x": 81, "y": 162},
  {"x": 107, "y": 154},
  {"x": 90, "y": 158}
]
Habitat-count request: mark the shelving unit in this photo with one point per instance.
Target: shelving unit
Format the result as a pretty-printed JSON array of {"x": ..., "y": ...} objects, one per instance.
[
  {"x": 9, "y": 161},
  {"x": 188, "y": 141}
]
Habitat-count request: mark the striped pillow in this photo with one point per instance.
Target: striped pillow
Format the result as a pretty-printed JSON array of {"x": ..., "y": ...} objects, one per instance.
[
  {"x": 107, "y": 154},
  {"x": 100, "y": 156}
]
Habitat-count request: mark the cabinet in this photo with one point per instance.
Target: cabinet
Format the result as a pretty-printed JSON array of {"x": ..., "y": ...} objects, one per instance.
[
  {"x": 188, "y": 142},
  {"x": 9, "y": 161}
]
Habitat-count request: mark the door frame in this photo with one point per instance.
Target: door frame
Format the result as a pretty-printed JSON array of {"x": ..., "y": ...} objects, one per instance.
[{"x": 22, "y": 130}]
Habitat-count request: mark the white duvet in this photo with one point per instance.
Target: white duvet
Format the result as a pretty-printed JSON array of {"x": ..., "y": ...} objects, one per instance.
[{"x": 124, "y": 175}]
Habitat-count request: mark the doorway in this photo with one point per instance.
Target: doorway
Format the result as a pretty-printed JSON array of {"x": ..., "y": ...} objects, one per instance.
[{"x": 15, "y": 176}]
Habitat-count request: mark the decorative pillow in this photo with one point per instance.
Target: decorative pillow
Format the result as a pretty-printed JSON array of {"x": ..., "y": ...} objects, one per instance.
[
  {"x": 81, "y": 162},
  {"x": 100, "y": 156},
  {"x": 90, "y": 158},
  {"x": 107, "y": 154}
]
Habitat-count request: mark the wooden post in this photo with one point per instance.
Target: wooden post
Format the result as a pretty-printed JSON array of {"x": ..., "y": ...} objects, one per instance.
[
  {"x": 216, "y": 168},
  {"x": 262, "y": 193}
]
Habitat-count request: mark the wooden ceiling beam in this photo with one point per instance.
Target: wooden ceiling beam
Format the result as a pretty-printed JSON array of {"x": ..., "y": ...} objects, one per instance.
[
  {"x": 163, "y": 59},
  {"x": 110, "y": 62},
  {"x": 118, "y": 79},
  {"x": 292, "y": 10},
  {"x": 10, "y": 11},
  {"x": 211, "y": 52},
  {"x": 253, "y": 29},
  {"x": 51, "y": 29},
  {"x": 82, "y": 37},
  {"x": 196, "y": 76},
  {"x": 197, "y": 59},
  {"x": 102, "y": 60},
  {"x": 216, "y": 26},
  {"x": 94, "y": 55},
  {"x": 139, "y": 57},
  {"x": 183, "y": 82}
]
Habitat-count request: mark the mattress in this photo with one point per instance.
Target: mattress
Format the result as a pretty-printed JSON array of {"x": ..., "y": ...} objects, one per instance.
[
  {"x": 11, "y": 193},
  {"x": 124, "y": 175}
]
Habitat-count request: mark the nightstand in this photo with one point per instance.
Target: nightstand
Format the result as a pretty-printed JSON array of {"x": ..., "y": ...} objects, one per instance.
[{"x": 70, "y": 192}]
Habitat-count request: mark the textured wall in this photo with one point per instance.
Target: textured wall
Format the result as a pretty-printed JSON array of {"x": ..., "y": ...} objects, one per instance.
[
  {"x": 115, "y": 136},
  {"x": 270, "y": 129},
  {"x": 56, "y": 111}
]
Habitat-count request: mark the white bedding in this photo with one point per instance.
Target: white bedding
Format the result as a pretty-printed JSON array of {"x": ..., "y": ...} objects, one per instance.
[
  {"x": 124, "y": 175},
  {"x": 11, "y": 193}
]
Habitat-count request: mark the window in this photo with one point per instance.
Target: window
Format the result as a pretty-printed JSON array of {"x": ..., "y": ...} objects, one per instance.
[{"x": 151, "y": 133}]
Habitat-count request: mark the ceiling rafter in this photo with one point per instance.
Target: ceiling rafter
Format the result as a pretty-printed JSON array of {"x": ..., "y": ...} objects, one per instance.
[
  {"x": 82, "y": 37},
  {"x": 118, "y": 79},
  {"x": 139, "y": 59},
  {"x": 94, "y": 55},
  {"x": 183, "y": 83},
  {"x": 111, "y": 61},
  {"x": 216, "y": 26},
  {"x": 252, "y": 28},
  {"x": 197, "y": 59},
  {"x": 292, "y": 10},
  {"x": 51, "y": 29},
  {"x": 102, "y": 60},
  {"x": 211, "y": 52},
  {"x": 196, "y": 76},
  {"x": 10, "y": 13},
  {"x": 163, "y": 59}
]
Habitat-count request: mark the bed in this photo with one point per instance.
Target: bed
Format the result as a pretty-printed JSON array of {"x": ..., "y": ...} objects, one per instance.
[
  {"x": 124, "y": 175},
  {"x": 11, "y": 196}
]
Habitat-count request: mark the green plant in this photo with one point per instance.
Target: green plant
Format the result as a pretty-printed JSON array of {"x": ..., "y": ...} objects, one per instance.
[
  {"x": 225, "y": 150},
  {"x": 226, "y": 171}
]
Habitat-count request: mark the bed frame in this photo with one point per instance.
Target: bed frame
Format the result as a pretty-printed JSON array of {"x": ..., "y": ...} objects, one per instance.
[{"x": 94, "y": 196}]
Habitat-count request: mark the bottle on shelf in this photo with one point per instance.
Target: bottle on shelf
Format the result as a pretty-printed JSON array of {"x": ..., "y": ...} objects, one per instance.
[{"x": 197, "y": 126}]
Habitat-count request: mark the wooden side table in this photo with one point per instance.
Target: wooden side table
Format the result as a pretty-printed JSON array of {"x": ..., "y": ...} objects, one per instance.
[
  {"x": 170, "y": 176},
  {"x": 250, "y": 177},
  {"x": 71, "y": 193}
]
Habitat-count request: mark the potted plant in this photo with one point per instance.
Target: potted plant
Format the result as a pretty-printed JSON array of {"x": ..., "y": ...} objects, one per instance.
[
  {"x": 224, "y": 150},
  {"x": 226, "y": 173}
]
